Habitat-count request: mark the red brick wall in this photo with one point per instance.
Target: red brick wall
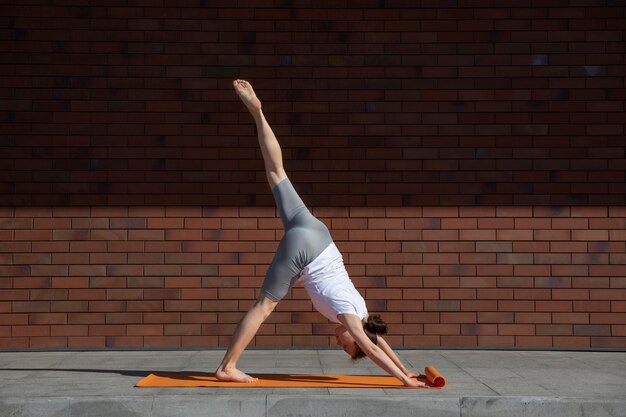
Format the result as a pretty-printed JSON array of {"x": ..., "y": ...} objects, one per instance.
[{"x": 468, "y": 159}]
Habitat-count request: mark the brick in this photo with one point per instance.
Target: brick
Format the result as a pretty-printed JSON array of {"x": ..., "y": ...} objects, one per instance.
[
  {"x": 144, "y": 306},
  {"x": 39, "y": 282},
  {"x": 460, "y": 223},
  {"x": 195, "y": 317},
  {"x": 570, "y": 318},
  {"x": 14, "y": 319},
  {"x": 457, "y": 293},
  {"x": 592, "y": 330},
  {"x": 222, "y": 305},
  {"x": 465, "y": 317},
  {"x": 123, "y": 318},
  {"x": 440, "y": 258},
  {"x": 477, "y": 235},
  {"x": 408, "y": 246},
  {"x": 385, "y": 223},
  {"x": 86, "y": 342},
  {"x": 607, "y": 342},
  {"x": 441, "y": 282},
  {"x": 553, "y": 282},
  {"x": 552, "y": 235},
  {"x": 456, "y": 247},
  {"x": 69, "y": 306},
  {"x": 442, "y": 329},
  {"x": 86, "y": 318},
  {"x": 69, "y": 330},
  {"x": 182, "y": 329},
  {"x": 420, "y": 294},
  {"x": 552, "y": 258},
  {"x": 199, "y": 341},
  {"x": 48, "y": 342},
  {"x": 514, "y": 258},
  {"x": 494, "y": 270},
  {"x": 422, "y": 223},
  {"x": 182, "y": 305},
  {"x": 535, "y": 223},
  {"x": 516, "y": 329},
  {"x": 107, "y": 330},
  {"x": 404, "y": 305},
  {"x": 607, "y": 223},
  {"x": 459, "y": 340},
  {"x": 508, "y": 305},
  {"x": 124, "y": 294},
  {"x": 162, "y": 341},
  {"x": 31, "y": 306},
  {"x": 538, "y": 270},
  {"x": 532, "y": 317},
  {"x": 196, "y": 293},
  {"x": 534, "y": 341},
  {"x": 495, "y": 317},
  {"x": 514, "y": 235},
  {"x": 494, "y": 246},
  {"x": 571, "y": 342},
  {"x": 591, "y": 282},
  {"x": 478, "y": 258},
  {"x": 479, "y": 305},
  {"x": 617, "y": 235},
  {"x": 607, "y": 318},
  {"x": 448, "y": 305},
  {"x": 533, "y": 294},
  {"x": 123, "y": 341},
  {"x": 107, "y": 306},
  {"x": 497, "y": 223},
  {"x": 440, "y": 235},
  {"x": 478, "y": 282}
]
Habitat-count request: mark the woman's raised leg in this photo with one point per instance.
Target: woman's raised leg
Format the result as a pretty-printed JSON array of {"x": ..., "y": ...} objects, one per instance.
[{"x": 270, "y": 148}]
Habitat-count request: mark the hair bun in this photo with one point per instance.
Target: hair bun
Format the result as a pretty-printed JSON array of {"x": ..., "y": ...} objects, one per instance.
[{"x": 376, "y": 325}]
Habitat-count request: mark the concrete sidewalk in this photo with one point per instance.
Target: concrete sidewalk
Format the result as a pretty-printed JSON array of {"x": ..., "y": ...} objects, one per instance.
[{"x": 480, "y": 383}]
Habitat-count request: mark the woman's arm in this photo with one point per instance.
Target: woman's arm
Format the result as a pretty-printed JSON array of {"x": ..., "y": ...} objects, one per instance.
[
  {"x": 382, "y": 343},
  {"x": 353, "y": 324}
]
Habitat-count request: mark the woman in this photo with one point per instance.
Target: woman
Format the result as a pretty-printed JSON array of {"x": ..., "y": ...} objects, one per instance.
[{"x": 307, "y": 252}]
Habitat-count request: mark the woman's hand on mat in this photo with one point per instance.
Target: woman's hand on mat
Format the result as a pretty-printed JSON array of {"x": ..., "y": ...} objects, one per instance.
[{"x": 414, "y": 382}]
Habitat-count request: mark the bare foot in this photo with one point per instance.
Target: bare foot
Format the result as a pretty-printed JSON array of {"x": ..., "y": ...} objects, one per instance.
[
  {"x": 246, "y": 94},
  {"x": 414, "y": 383},
  {"x": 233, "y": 375}
]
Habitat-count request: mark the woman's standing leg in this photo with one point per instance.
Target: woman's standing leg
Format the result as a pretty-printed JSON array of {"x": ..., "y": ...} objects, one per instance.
[
  {"x": 263, "y": 307},
  {"x": 247, "y": 328}
]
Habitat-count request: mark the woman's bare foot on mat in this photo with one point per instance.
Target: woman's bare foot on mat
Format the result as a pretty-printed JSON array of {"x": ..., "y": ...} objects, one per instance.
[
  {"x": 233, "y": 375},
  {"x": 246, "y": 94}
]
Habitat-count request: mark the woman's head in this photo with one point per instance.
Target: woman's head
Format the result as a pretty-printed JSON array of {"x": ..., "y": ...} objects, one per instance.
[{"x": 373, "y": 326}]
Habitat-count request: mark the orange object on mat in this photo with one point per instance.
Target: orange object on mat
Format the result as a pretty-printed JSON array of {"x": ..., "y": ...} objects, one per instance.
[{"x": 433, "y": 378}]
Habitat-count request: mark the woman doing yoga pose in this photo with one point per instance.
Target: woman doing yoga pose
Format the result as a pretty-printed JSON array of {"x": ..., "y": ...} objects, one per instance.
[{"x": 307, "y": 252}]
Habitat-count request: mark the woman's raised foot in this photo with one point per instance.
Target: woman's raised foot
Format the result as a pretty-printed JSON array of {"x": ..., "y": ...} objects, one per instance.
[{"x": 246, "y": 94}]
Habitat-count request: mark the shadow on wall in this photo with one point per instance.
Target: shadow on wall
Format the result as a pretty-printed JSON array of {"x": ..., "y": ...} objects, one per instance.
[
  {"x": 399, "y": 171},
  {"x": 375, "y": 104}
]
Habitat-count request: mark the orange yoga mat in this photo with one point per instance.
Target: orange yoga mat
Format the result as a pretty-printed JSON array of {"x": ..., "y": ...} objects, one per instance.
[{"x": 432, "y": 377}]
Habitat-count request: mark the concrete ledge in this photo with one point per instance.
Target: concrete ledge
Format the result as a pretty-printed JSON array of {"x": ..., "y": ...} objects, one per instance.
[
  {"x": 310, "y": 406},
  {"x": 540, "y": 407},
  {"x": 480, "y": 384},
  {"x": 360, "y": 406}
]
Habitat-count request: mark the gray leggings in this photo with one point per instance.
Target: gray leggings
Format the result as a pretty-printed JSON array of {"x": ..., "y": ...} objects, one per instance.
[{"x": 305, "y": 239}]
